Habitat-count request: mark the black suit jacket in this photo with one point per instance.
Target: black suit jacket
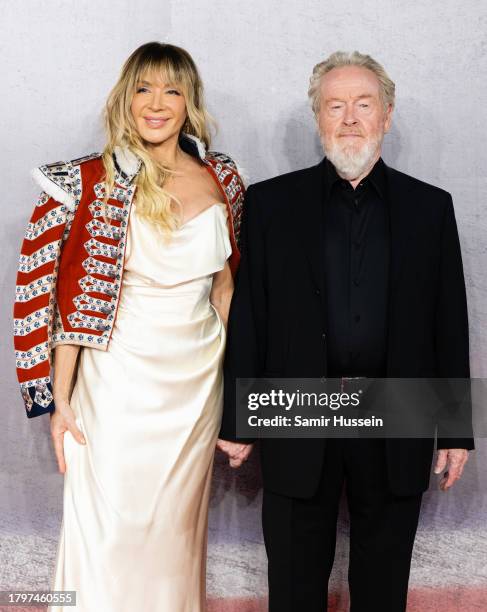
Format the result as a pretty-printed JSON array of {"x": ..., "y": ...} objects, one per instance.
[{"x": 277, "y": 317}]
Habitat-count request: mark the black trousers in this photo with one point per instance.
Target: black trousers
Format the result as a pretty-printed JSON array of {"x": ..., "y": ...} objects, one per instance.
[{"x": 300, "y": 535}]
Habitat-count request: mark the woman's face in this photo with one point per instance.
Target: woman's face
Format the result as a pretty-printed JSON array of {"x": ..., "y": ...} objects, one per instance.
[{"x": 158, "y": 109}]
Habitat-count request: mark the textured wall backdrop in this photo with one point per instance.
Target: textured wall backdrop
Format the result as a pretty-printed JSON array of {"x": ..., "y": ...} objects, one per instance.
[{"x": 59, "y": 59}]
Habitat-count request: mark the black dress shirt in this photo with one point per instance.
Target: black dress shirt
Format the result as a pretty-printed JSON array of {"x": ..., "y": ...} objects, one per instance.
[{"x": 356, "y": 245}]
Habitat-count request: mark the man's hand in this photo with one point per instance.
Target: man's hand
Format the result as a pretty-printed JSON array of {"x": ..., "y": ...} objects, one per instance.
[
  {"x": 237, "y": 453},
  {"x": 452, "y": 460}
]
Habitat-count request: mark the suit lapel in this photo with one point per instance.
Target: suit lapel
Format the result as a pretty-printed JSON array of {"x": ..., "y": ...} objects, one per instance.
[
  {"x": 401, "y": 216},
  {"x": 309, "y": 223}
]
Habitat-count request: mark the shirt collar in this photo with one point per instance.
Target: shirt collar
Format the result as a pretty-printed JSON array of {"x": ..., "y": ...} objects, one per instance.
[{"x": 376, "y": 177}]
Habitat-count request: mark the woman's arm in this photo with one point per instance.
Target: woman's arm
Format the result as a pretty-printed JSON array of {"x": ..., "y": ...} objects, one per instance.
[
  {"x": 65, "y": 357},
  {"x": 63, "y": 418},
  {"x": 220, "y": 297},
  {"x": 221, "y": 292}
]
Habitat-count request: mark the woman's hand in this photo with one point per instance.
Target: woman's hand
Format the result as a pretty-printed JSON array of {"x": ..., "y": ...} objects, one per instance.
[{"x": 63, "y": 420}]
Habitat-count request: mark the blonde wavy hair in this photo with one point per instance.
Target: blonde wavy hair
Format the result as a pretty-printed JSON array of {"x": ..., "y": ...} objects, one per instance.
[
  {"x": 343, "y": 58},
  {"x": 177, "y": 67}
]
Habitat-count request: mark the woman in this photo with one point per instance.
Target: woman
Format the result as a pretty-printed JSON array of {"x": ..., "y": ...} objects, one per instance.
[{"x": 132, "y": 253}]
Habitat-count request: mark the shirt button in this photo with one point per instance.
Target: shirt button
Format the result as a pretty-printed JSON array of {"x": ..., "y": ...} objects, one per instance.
[
  {"x": 356, "y": 318},
  {"x": 317, "y": 292}
]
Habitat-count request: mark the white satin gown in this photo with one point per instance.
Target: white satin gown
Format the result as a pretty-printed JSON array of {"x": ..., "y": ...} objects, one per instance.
[{"x": 134, "y": 528}]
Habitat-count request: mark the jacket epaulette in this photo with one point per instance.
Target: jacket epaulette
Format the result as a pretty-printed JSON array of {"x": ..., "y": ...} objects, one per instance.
[
  {"x": 71, "y": 262},
  {"x": 62, "y": 179}
]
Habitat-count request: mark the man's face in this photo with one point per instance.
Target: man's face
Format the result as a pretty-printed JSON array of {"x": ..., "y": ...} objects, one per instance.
[{"x": 352, "y": 119}]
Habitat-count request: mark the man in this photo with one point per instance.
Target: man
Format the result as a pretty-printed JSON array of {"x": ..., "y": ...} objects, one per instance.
[{"x": 349, "y": 269}]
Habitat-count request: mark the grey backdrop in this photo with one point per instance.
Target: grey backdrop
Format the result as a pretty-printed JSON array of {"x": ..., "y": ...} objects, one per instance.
[{"x": 59, "y": 60}]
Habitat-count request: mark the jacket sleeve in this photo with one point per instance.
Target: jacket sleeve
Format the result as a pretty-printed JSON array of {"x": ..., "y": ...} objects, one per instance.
[
  {"x": 246, "y": 338},
  {"x": 452, "y": 337},
  {"x": 232, "y": 183},
  {"x": 35, "y": 300}
]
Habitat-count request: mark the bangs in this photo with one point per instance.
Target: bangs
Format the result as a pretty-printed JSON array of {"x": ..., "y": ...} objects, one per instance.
[{"x": 168, "y": 64}]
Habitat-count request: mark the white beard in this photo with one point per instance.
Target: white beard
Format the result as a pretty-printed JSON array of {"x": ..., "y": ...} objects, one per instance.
[{"x": 349, "y": 162}]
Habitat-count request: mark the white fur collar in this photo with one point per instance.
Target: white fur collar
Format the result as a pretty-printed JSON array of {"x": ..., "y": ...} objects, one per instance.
[
  {"x": 130, "y": 163},
  {"x": 199, "y": 144}
]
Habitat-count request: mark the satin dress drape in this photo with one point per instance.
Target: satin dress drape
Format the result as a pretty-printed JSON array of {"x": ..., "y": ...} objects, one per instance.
[{"x": 134, "y": 528}]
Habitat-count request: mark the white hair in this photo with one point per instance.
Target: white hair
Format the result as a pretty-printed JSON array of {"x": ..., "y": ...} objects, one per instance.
[{"x": 339, "y": 59}]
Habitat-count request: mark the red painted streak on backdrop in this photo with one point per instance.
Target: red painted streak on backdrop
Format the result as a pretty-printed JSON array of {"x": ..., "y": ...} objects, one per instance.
[{"x": 454, "y": 599}]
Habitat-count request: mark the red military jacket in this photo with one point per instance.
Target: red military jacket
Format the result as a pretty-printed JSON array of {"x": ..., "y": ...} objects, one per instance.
[{"x": 71, "y": 263}]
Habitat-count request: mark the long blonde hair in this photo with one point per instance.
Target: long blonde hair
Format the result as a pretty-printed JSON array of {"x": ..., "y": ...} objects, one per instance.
[{"x": 178, "y": 68}]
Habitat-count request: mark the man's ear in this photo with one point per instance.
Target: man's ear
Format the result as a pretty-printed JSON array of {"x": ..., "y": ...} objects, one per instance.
[{"x": 388, "y": 118}]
